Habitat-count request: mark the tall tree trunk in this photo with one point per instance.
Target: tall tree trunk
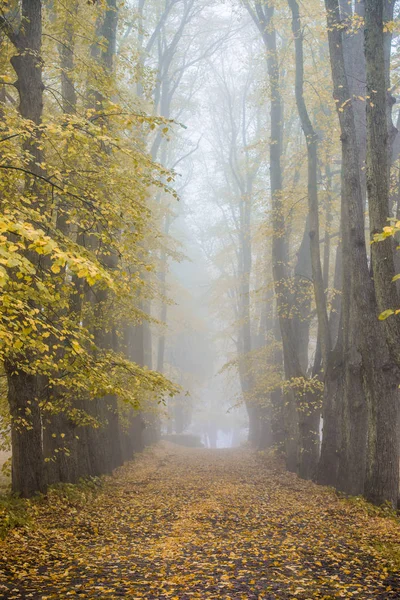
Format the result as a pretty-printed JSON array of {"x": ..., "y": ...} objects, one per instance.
[
  {"x": 332, "y": 403},
  {"x": 277, "y": 396},
  {"x": 302, "y": 421},
  {"x": 61, "y": 442},
  {"x": 368, "y": 351},
  {"x": 313, "y": 208},
  {"x": 382, "y": 481},
  {"x": 263, "y": 17},
  {"x": 134, "y": 349},
  {"x": 28, "y": 474},
  {"x": 107, "y": 444},
  {"x": 354, "y": 58},
  {"x": 164, "y": 307},
  {"x": 324, "y": 337},
  {"x": 308, "y": 411},
  {"x": 245, "y": 341},
  {"x": 328, "y": 464}
]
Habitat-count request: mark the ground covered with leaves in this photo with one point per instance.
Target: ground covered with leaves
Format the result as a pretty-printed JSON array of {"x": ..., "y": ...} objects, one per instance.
[{"x": 180, "y": 524}]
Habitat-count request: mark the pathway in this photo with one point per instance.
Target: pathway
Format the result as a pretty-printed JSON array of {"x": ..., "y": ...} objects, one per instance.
[{"x": 182, "y": 524}]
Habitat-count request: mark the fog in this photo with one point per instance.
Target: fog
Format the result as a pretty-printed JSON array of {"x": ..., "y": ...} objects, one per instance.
[
  {"x": 200, "y": 220},
  {"x": 200, "y": 299},
  {"x": 212, "y": 57}
]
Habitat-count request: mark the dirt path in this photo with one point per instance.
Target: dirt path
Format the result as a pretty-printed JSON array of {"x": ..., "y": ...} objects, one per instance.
[{"x": 201, "y": 524}]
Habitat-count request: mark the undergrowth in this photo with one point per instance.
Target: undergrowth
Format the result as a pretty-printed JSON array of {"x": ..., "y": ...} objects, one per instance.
[{"x": 19, "y": 512}]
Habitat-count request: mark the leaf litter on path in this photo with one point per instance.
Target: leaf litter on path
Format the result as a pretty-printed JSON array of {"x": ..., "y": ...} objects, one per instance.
[{"x": 182, "y": 524}]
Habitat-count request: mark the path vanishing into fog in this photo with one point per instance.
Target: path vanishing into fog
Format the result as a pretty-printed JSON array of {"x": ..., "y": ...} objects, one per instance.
[{"x": 181, "y": 524}]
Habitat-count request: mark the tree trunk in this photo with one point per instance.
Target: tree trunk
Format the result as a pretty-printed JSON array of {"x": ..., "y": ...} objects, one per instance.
[
  {"x": 313, "y": 208},
  {"x": 105, "y": 440},
  {"x": 61, "y": 443},
  {"x": 263, "y": 18},
  {"x": 308, "y": 411},
  {"x": 27, "y": 457},
  {"x": 364, "y": 339},
  {"x": 383, "y": 444},
  {"x": 28, "y": 474},
  {"x": 354, "y": 58},
  {"x": 277, "y": 397},
  {"x": 333, "y": 389}
]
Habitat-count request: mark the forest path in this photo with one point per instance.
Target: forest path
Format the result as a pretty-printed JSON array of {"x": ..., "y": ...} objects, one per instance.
[{"x": 182, "y": 524}]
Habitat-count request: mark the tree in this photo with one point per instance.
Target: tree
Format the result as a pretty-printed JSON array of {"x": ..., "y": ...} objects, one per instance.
[
  {"x": 28, "y": 465},
  {"x": 383, "y": 459},
  {"x": 62, "y": 227},
  {"x": 362, "y": 330}
]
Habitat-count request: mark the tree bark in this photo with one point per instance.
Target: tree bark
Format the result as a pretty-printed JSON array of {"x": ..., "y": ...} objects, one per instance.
[
  {"x": 262, "y": 14},
  {"x": 64, "y": 455},
  {"x": 106, "y": 439},
  {"x": 313, "y": 208},
  {"x": 28, "y": 474},
  {"x": 382, "y": 481},
  {"x": 365, "y": 349}
]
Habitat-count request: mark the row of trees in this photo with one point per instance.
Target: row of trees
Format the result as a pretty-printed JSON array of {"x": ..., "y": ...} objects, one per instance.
[
  {"x": 310, "y": 304},
  {"x": 94, "y": 157},
  {"x": 359, "y": 366},
  {"x": 85, "y": 114},
  {"x": 295, "y": 146}
]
